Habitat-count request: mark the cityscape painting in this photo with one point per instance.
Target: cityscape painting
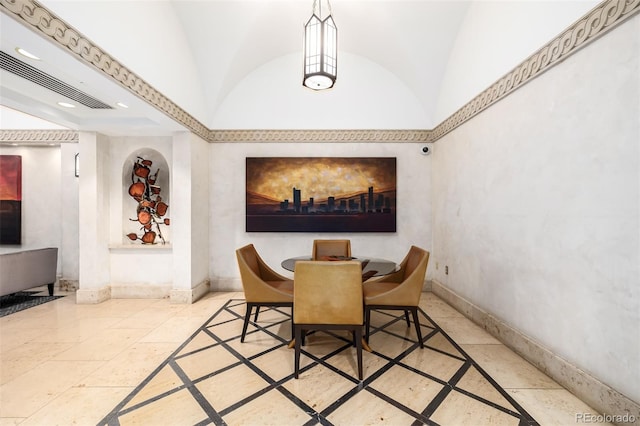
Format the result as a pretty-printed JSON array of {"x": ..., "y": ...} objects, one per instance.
[{"x": 320, "y": 194}]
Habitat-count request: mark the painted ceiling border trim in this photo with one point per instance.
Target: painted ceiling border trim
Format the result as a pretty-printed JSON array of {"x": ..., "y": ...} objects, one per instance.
[
  {"x": 43, "y": 136},
  {"x": 325, "y": 136},
  {"x": 594, "y": 24}
]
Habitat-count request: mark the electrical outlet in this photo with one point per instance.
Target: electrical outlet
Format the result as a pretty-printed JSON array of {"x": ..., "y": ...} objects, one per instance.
[
  {"x": 446, "y": 270},
  {"x": 437, "y": 266}
]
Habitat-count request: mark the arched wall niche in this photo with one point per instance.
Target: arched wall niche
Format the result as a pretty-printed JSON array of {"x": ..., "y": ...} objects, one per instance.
[{"x": 146, "y": 198}]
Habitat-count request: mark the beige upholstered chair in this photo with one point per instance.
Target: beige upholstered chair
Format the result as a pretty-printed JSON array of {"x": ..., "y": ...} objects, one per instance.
[
  {"x": 324, "y": 248},
  {"x": 327, "y": 296},
  {"x": 262, "y": 286},
  {"x": 399, "y": 291}
]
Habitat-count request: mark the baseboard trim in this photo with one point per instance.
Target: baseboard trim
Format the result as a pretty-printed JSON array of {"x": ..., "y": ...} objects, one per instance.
[
  {"x": 142, "y": 291},
  {"x": 592, "y": 391},
  {"x": 189, "y": 295},
  {"x": 226, "y": 284},
  {"x": 93, "y": 296},
  {"x": 68, "y": 285},
  {"x": 139, "y": 291}
]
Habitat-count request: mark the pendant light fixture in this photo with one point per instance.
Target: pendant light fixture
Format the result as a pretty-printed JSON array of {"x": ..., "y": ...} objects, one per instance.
[{"x": 320, "y": 48}]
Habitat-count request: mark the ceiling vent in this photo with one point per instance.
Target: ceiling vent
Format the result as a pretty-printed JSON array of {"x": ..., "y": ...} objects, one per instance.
[{"x": 24, "y": 70}]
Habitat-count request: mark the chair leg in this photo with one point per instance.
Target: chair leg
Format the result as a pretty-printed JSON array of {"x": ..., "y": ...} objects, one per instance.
[
  {"x": 247, "y": 315},
  {"x": 367, "y": 322},
  {"x": 358, "y": 337},
  {"x": 255, "y": 318},
  {"x": 414, "y": 311},
  {"x": 406, "y": 317},
  {"x": 296, "y": 361},
  {"x": 293, "y": 327}
]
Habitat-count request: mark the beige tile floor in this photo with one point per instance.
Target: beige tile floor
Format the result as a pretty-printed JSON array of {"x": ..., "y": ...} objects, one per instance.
[{"x": 68, "y": 364}]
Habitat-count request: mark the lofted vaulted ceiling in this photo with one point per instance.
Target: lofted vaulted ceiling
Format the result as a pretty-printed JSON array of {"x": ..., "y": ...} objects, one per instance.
[{"x": 198, "y": 56}]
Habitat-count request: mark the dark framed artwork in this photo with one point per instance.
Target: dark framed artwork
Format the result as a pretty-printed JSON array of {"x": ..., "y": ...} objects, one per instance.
[
  {"x": 321, "y": 194},
  {"x": 10, "y": 199}
]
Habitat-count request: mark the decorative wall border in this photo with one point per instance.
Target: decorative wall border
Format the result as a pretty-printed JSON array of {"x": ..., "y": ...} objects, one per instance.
[
  {"x": 39, "y": 136},
  {"x": 251, "y": 136},
  {"x": 594, "y": 24},
  {"x": 319, "y": 136}
]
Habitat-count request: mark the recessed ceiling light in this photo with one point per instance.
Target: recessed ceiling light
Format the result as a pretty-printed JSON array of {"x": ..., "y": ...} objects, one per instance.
[
  {"x": 27, "y": 54},
  {"x": 66, "y": 105},
  {"x": 121, "y": 105}
]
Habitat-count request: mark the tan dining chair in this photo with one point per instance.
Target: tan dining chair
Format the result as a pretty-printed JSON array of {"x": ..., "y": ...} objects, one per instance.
[
  {"x": 400, "y": 290},
  {"x": 262, "y": 286},
  {"x": 324, "y": 248},
  {"x": 327, "y": 296}
]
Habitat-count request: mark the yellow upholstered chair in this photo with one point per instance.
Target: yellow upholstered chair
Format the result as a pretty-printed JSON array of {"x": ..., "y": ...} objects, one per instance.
[
  {"x": 400, "y": 290},
  {"x": 327, "y": 296},
  {"x": 324, "y": 248},
  {"x": 262, "y": 286}
]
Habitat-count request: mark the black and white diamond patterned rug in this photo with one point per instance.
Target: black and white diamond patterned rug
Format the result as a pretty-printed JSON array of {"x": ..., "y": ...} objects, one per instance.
[{"x": 16, "y": 302}]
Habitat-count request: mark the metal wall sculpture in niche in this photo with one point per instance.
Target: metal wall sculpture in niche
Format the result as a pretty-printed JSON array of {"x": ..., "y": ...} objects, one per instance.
[
  {"x": 296, "y": 194},
  {"x": 10, "y": 199},
  {"x": 145, "y": 188}
]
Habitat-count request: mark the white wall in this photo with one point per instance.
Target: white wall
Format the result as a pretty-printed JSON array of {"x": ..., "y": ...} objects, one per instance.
[
  {"x": 111, "y": 265},
  {"x": 41, "y": 198},
  {"x": 54, "y": 213},
  {"x": 129, "y": 262},
  {"x": 69, "y": 198},
  {"x": 482, "y": 54},
  {"x": 49, "y": 172},
  {"x": 41, "y": 209},
  {"x": 200, "y": 214},
  {"x": 191, "y": 220},
  {"x": 537, "y": 209},
  {"x": 94, "y": 213},
  {"x": 227, "y": 206}
]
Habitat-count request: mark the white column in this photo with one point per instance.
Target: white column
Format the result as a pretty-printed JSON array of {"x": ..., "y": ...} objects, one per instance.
[
  {"x": 189, "y": 218},
  {"x": 69, "y": 193},
  {"x": 93, "y": 219}
]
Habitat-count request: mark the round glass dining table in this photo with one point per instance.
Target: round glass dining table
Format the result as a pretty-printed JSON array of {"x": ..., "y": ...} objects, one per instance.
[{"x": 372, "y": 267}]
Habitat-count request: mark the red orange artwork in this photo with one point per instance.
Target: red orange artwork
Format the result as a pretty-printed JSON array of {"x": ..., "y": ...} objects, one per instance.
[
  {"x": 10, "y": 199},
  {"x": 151, "y": 208}
]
